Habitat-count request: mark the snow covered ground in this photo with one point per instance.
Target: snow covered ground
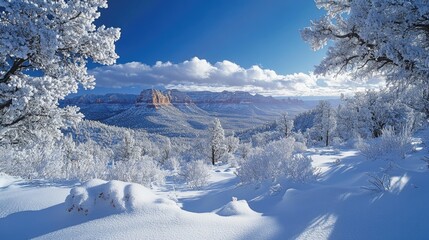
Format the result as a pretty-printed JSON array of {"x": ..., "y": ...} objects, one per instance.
[{"x": 337, "y": 206}]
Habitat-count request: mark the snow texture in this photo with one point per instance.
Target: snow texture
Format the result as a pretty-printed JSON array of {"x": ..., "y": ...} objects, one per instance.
[
  {"x": 98, "y": 196},
  {"x": 236, "y": 208}
]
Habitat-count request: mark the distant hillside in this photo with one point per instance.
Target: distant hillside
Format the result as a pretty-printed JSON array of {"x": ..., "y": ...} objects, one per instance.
[{"x": 176, "y": 113}]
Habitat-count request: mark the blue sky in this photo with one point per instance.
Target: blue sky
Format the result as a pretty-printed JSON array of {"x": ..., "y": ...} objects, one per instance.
[
  {"x": 247, "y": 32},
  {"x": 252, "y": 45}
]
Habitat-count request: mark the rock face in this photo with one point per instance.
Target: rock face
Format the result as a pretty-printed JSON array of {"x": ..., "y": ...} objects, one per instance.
[
  {"x": 178, "y": 97},
  {"x": 153, "y": 98}
]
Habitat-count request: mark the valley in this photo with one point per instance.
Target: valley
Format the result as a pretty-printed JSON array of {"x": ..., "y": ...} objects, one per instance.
[{"x": 185, "y": 114}]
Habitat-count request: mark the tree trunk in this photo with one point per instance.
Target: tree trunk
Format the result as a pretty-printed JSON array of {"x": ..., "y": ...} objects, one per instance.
[
  {"x": 213, "y": 156},
  {"x": 327, "y": 137}
]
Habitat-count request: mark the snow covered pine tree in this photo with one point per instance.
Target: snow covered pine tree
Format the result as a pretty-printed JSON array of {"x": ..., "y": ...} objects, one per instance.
[
  {"x": 217, "y": 142},
  {"x": 44, "y": 49}
]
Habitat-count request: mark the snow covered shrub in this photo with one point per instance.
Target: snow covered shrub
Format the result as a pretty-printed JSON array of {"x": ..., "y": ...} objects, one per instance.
[
  {"x": 378, "y": 184},
  {"x": 37, "y": 160},
  {"x": 232, "y": 144},
  {"x": 101, "y": 197},
  {"x": 172, "y": 164},
  {"x": 274, "y": 161},
  {"x": 141, "y": 170},
  {"x": 196, "y": 174},
  {"x": 299, "y": 168},
  {"x": 133, "y": 163},
  {"x": 389, "y": 143},
  {"x": 230, "y": 159},
  {"x": 299, "y": 137},
  {"x": 261, "y": 139},
  {"x": 85, "y": 160},
  {"x": 300, "y": 147},
  {"x": 244, "y": 150}
]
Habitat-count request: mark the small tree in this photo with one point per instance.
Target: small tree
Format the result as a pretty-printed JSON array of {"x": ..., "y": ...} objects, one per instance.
[
  {"x": 217, "y": 142},
  {"x": 231, "y": 144},
  {"x": 324, "y": 122},
  {"x": 285, "y": 125},
  {"x": 44, "y": 48}
]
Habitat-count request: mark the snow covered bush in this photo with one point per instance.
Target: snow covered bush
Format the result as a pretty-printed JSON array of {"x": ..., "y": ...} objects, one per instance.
[
  {"x": 54, "y": 39},
  {"x": 230, "y": 159},
  {"x": 15, "y": 162},
  {"x": 275, "y": 161},
  {"x": 378, "y": 184},
  {"x": 124, "y": 156},
  {"x": 98, "y": 197},
  {"x": 231, "y": 143},
  {"x": 244, "y": 150},
  {"x": 196, "y": 174},
  {"x": 262, "y": 138},
  {"x": 57, "y": 159},
  {"x": 299, "y": 147},
  {"x": 299, "y": 168},
  {"x": 388, "y": 144},
  {"x": 172, "y": 164},
  {"x": 141, "y": 170}
]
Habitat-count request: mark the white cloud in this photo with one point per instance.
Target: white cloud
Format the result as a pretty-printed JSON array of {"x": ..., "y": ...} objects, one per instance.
[{"x": 199, "y": 74}]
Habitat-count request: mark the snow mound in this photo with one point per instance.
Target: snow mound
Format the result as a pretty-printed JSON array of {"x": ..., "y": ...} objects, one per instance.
[
  {"x": 237, "y": 208},
  {"x": 289, "y": 195},
  {"x": 7, "y": 180},
  {"x": 98, "y": 196}
]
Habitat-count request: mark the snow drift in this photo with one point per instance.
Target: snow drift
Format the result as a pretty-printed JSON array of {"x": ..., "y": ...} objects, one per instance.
[
  {"x": 236, "y": 208},
  {"x": 98, "y": 196}
]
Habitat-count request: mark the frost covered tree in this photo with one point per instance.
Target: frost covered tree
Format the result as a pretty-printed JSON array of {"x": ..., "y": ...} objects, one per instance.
[
  {"x": 304, "y": 121},
  {"x": 285, "y": 125},
  {"x": 375, "y": 37},
  {"x": 44, "y": 49},
  {"x": 217, "y": 142},
  {"x": 325, "y": 122},
  {"x": 231, "y": 144},
  {"x": 244, "y": 150},
  {"x": 366, "y": 115}
]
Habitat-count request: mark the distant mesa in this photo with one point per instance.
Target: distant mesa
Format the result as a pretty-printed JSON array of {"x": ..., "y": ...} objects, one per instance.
[
  {"x": 186, "y": 114},
  {"x": 152, "y": 98}
]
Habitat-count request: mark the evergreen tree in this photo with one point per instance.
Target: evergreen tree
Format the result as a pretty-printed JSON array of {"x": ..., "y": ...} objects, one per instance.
[{"x": 217, "y": 141}]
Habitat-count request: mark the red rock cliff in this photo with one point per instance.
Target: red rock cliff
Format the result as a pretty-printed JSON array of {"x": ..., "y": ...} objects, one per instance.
[{"x": 152, "y": 98}]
